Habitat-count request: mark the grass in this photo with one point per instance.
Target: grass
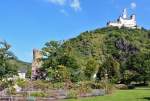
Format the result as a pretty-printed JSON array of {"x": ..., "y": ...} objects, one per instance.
[{"x": 138, "y": 94}]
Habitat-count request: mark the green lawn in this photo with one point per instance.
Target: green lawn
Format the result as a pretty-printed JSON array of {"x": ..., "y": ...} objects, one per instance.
[{"x": 139, "y": 94}]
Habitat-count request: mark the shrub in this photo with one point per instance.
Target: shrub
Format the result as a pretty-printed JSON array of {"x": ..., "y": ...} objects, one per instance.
[
  {"x": 72, "y": 94},
  {"x": 68, "y": 85},
  {"x": 21, "y": 83},
  {"x": 109, "y": 88},
  {"x": 39, "y": 94},
  {"x": 83, "y": 88},
  {"x": 41, "y": 85},
  {"x": 5, "y": 84},
  {"x": 97, "y": 86},
  {"x": 59, "y": 74},
  {"x": 11, "y": 91},
  {"x": 58, "y": 85}
]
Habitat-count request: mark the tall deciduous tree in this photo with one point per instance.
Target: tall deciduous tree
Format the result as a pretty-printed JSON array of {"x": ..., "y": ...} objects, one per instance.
[{"x": 6, "y": 70}]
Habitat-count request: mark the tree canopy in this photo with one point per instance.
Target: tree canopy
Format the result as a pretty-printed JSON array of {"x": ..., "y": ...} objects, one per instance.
[
  {"x": 6, "y": 70},
  {"x": 123, "y": 54}
]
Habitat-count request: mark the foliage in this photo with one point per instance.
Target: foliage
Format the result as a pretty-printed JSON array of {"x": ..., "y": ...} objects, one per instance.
[
  {"x": 6, "y": 70},
  {"x": 122, "y": 53},
  {"x": 21, "y": 83},
  {"x": 58, "y": 64},
  {"x": 84, "y": 89},
  {"x": 9, "y": 64},
  {"x": 72, "y": 94},
  {"x": 59, "y": 74},
  {"x": 11, "y": 91},
  {"x": 111, "y": 67},
  {"x": 40, "y": 85},
  {"x": 5, "y": 84},
  {"x": 58, "y": 85},
  {"x": 138, "y": 66},
  {"x": 91, "y": 68},
  {"x": 28, "y": 74},
  {"x": 39, "y": 94}
]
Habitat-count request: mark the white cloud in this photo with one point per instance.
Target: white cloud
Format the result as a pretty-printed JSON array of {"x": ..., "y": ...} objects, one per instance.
[
  {"x": 63, "y": 11},
  {"x": 133, "y": 5},
  {"x": 59, "y": 2},
  {"x": 75, "y": 4}
]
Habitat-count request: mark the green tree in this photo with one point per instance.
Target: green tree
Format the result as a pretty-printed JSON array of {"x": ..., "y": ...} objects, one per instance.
[
  {"x": 59, "y": 74},
  {"x": 139, "y": 63},
  {"x": 6, "y": 69},
  {"x": 111, "y": 67},
  {"x": 51, "y": 54},
  {"x": 91, "y": 69}
]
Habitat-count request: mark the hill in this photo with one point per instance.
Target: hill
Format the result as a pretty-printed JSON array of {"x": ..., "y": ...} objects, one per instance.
[
  {"x": 123, "y": 54},
  {"x": 20, "y": 64}
]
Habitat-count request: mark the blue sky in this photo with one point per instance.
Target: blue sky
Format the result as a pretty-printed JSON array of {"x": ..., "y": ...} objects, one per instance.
[{"x": 28, "y": 24}]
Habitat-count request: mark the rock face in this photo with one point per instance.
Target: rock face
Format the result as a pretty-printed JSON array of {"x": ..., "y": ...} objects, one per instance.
[
  {"x": 36, "y": 64},
  {"x": 125, "y": 46}
]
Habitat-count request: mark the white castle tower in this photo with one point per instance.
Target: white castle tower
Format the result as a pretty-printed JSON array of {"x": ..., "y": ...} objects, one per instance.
[
  {"x": 124, "y": 21},
  {"x": 125, "y": 14}
]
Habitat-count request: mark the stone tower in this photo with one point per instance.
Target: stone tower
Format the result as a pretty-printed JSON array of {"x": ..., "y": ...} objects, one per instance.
[{"x": 36, "y": 64}]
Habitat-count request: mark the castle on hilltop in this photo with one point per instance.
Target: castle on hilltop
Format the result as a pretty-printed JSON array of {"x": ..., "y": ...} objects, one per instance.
[{"x": 124, "y": 21}]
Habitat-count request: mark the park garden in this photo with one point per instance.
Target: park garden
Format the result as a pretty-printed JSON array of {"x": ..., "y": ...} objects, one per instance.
[{"x": 108, "y": 64}]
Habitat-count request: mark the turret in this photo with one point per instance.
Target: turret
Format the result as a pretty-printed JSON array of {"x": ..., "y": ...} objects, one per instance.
[
  {"x": 133, "y": 17},
  {"x": 125, "y": 14}
]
